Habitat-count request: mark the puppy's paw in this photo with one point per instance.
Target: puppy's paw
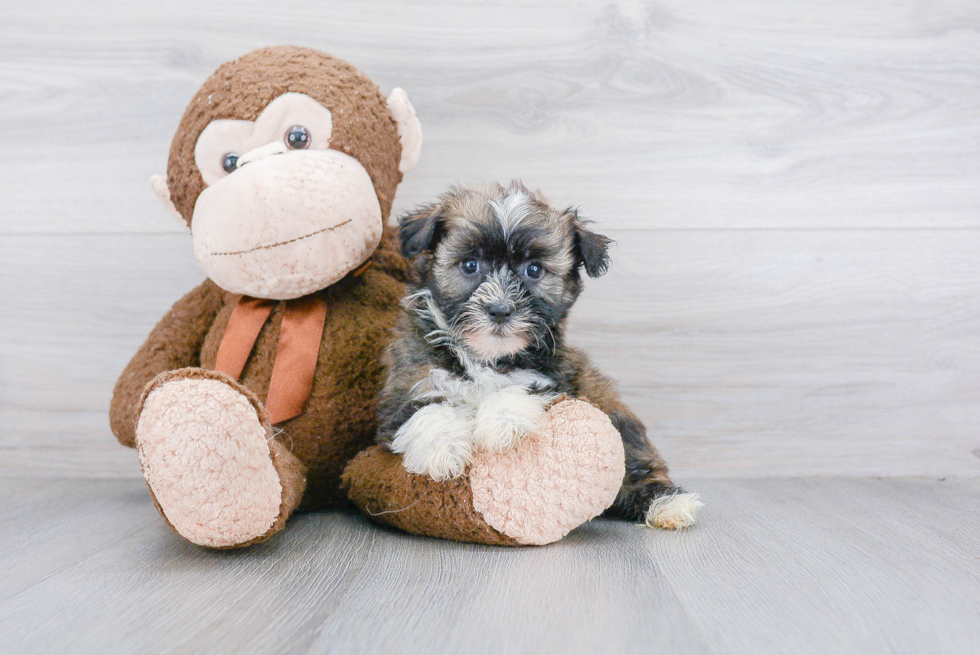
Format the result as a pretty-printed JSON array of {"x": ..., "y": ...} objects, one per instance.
[
  {"x": 506, "y": 416},
  {"x": 673, "y": 512},
  {"x": 436, "y": 441}
]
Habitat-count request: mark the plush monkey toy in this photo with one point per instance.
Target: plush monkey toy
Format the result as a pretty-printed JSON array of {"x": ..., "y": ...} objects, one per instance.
[
  {"x": 284, "y": 167},
  {"x": 251, "y": 396}
]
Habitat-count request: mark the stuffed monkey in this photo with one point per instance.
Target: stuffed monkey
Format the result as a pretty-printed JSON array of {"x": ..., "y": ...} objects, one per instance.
[{"x": 253, "y": 393}]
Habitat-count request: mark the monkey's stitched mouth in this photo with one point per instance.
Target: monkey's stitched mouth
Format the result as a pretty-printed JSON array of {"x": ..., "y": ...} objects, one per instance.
[{"x": 282, "y": 243}]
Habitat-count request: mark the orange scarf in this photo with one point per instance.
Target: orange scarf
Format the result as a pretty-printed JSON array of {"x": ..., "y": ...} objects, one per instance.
[{"x": 299, "y": 344}]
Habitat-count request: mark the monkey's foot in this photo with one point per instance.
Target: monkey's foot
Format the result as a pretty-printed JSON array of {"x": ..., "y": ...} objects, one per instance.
[
  {"x": 208, "y": 456},
  {"x": 551, "y": 482},
  {"x": 673, "y": 511}
]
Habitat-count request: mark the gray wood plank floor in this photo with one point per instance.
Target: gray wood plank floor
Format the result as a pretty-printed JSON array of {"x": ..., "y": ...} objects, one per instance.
[{"x": 790, "y": 566}]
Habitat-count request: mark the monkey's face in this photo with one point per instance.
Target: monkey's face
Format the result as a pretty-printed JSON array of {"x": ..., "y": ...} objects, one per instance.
[
  {"x": 283, "y": 214},
  {"x": 284, "y": 167}
]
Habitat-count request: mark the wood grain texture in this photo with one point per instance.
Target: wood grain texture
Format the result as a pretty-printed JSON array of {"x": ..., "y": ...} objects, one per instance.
[
  {"x": 750, "y": 353},
  {"x": 801, "y": 566},
  {"x": 805, "y": 113},
  {"x": 793, "y": 187}
]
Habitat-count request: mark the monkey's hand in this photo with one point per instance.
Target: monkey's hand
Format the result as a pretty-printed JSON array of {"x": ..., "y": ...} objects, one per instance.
[
  {"x": 507, "y": 416},
  {"x": 436, "y": 441}
]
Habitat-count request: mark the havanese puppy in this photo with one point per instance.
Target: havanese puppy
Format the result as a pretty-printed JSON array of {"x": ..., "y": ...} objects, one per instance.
[{"x": 480, "y": 353}]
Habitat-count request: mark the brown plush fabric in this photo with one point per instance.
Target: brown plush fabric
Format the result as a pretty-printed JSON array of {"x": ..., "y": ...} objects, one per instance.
[
  {"x": 378, "y": 484},
  {"x": 362, "y": 124},
  {"x": 174, "y": 343},
  {"x": 177, "y": 339},
  {"x": 309, "y": 451},
  {"x": 339, "y": 420},
  {"x": 292, "y": 477}
]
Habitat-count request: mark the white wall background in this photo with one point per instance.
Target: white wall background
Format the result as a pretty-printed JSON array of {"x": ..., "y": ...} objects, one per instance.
[{"x": 794, "y": 188}]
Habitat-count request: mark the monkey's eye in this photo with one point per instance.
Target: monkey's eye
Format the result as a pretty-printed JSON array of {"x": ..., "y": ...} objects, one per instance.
[
  {"x": 229, "y": 162},
  {"x": 297, "y": 137},
  {"x": 534, "y": 271},
  {"x": 470, "y": 266}
]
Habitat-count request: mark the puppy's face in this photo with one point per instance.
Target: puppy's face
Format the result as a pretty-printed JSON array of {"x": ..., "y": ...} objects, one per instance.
[{"x": 502, "y": 266}]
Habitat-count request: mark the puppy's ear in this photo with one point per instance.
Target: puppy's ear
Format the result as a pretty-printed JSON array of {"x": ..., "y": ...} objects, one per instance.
[
  {"x": 420, "y": 230},
  {"x": 591, "y": 249}
]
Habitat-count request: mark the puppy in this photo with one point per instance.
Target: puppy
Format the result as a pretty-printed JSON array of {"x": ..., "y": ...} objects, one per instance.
[{"x": 479, "y": 353}]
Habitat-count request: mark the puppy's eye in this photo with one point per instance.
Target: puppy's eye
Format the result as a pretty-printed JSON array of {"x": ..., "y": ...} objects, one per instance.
[
  {"x": 470, "y": 266},
  {"x": 534, "y": 271},
  {"x": 229, "y": 162},
  {"x": 297, "y": 137}
]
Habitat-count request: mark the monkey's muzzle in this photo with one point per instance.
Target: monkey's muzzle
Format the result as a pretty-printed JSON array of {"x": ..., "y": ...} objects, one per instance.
[{"x": 287, "y": 225}]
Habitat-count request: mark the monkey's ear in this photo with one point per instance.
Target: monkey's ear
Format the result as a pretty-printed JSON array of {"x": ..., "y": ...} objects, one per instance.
[
  {"x": 420, "y": 230},
  {"x": 409, "y": 129},
  {"x": 159, "y": 184},
  {"x": 592, "y": 249}
]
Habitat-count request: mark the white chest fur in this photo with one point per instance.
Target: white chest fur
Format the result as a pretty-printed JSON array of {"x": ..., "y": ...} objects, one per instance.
[
  {"x": 478, "y": 385},
  {"x": 485, "y": 410}
]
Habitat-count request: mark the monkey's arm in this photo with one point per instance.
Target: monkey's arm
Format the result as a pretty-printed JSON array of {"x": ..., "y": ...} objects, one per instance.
[{"x": 174, "y": 343}]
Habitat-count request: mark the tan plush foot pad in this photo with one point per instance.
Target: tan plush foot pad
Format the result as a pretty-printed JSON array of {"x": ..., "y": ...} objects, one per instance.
[
  {"x": 552, "y": 482},
  {"x": 205, "y": 455}
]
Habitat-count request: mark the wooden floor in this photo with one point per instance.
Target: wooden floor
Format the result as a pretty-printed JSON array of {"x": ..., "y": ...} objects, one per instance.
[{"x": 790, "y": 566}]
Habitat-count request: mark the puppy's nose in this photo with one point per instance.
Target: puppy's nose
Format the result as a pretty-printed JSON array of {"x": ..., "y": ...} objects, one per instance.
[{"x": 500, "y": 312}]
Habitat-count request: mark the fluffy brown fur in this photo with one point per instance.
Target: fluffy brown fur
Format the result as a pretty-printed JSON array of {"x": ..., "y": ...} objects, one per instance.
[
  {"x": 340, "y": 417},
  {"x": 377, "y": 483}
]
